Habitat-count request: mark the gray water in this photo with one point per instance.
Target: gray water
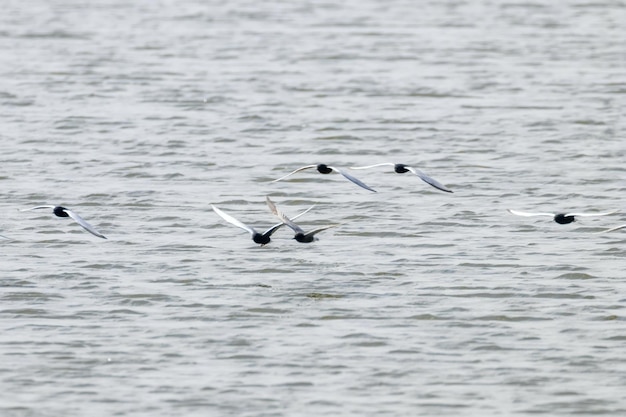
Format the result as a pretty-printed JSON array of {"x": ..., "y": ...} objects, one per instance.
[{"x": 139, "y": 115}]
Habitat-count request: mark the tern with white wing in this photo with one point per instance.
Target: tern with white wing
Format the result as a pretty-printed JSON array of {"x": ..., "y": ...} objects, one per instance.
[
  {"x": 402, "y": 168},
  {"x": 327, "y": 169},
  {"x": 561, "y": 218},
  {"x": 60, "y": 211}
]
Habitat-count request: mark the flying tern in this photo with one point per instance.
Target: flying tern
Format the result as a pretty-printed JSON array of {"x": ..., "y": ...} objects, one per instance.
[
  {"x": 561, "y": 218},
  {"x": 402, "y": 168},
  {"x": 60, "y": 211},
  {"x": 326, "y": 169}
]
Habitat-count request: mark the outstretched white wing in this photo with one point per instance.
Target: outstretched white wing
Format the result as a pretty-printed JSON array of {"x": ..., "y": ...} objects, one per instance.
[
  {"x": 303, "y": 213},
  {"x": 623, "y": 226},
  {"x": 37, "y": 208},
  {"x": 373, "y": 166},
  {"x": 297, "y": 170},
  {"x": 429, "y": 180},
  {"x": 354, "y": 180},
  {"x": 230, "y": 219},
  {"x": 84, "y": 224},
  {"x": 592, "y": 214},
  {"x": 527, "y": 214},
  {"x": 320, "y": 229}
]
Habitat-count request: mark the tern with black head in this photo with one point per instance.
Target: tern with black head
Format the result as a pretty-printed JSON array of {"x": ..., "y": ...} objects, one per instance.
[
  {"x": 402, "y": 168},
  {"x": 60, "y": 211},
  {"x": 327, "y": 169}
]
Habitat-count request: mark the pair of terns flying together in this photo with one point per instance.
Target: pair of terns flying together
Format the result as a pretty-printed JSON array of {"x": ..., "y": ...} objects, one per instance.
[
  {"x": 398, "y": 168},
  {"x": 265, "y": 237}
]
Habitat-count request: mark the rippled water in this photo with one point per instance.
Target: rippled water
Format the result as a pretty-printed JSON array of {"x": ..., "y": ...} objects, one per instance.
[{"x": 139, "y": 115}]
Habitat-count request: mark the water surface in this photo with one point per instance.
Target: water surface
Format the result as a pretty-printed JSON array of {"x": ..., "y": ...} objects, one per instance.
[{"x": 140, "y": 115}]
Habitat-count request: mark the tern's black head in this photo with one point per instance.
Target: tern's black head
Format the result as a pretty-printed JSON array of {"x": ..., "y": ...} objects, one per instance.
[
  {"x": 302, "y": 238},
  {"x": 400, "y": 168},
  {"x": 563, "y": 219},
  {"x": 60, "y": 211},
  {"x": 262, "y": 239},
  {"x": 324, "y": 169}
]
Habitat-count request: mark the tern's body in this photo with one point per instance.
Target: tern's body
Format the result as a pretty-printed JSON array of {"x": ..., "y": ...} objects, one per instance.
[
  {"x": 60, "y": 211},
  {"x": 260, "y": 238},
  {"x": 560, "y": 218},
  {"x": 300, "y": 235},
  {"x": 326, "y": 169},
  {"x": 402, "y": 168}
]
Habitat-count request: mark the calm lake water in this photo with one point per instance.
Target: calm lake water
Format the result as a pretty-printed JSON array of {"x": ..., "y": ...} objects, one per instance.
[{"x": 139, "y": 115}]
